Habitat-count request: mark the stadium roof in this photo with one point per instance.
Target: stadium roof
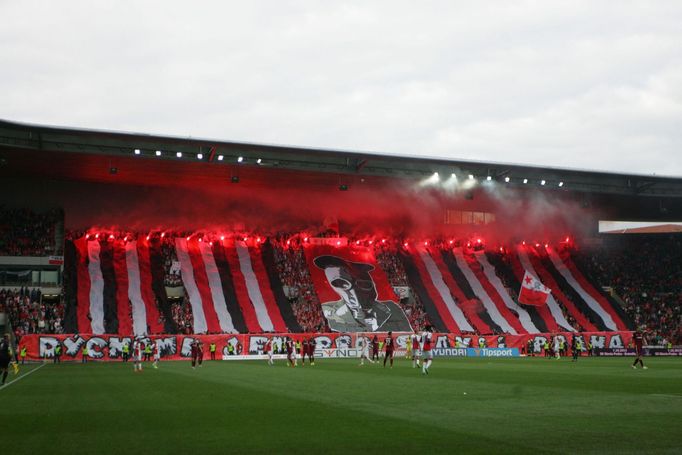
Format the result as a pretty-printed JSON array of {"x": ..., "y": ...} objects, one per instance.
[{"x": 85, "y": 153}]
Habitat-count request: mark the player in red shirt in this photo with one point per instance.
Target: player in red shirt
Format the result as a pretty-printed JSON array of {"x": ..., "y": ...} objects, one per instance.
[
  {"x": 638, "y": 338},
  {"x": 137, "y": 356},
  {"x": 389, "y": 344},
  {"x": 268, "y": 351},
  {"x": 414, "y": 339},
  {"x": 427, "y": 354},
  {"x": 195, "y": 352},
  {"x": 375, "y": 348},
  {"x": 304, "y": 350},
  {"x": 200, "y": 352},
  {"x": 291, "y": 355},
  {"x": 311, "y": 350}
]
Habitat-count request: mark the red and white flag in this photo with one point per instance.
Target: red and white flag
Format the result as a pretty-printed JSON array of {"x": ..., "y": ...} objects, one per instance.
[{"x": 533, "y": 292}]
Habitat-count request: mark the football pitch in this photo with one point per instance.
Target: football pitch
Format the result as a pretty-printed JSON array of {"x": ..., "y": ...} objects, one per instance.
[{"x": 523, "y": 405}]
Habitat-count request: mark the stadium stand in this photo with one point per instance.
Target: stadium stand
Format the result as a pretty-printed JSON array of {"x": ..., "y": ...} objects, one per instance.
[
  {"x": 629, "y": 281},
  {"x": 27, "y": 233},
  {"x": 645, "y": 274}
]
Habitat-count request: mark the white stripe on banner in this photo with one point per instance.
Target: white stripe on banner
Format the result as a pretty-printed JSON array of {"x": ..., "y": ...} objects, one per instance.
[
  {"x": 135, "y": 290},
  {"x": 489, "y": 271},
  {"x": 552, "y": 304},
  {"x": 253, "y": 288},
  {"x": 444, "y": 291},
  {"x": 216, "y": 286},
  {"x": 96, "y": 288},
  {"x": 596, "y": 307},
  {"x": 187, "y": 274},
  {"x": 477, "y": 287}
]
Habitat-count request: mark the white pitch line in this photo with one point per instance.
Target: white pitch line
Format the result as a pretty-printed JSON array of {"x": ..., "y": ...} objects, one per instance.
[{"x": 22, "y": 376}]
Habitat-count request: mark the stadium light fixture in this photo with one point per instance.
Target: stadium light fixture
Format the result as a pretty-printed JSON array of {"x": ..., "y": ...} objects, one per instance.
[
  {"x": 239, "y": 160},
  {"x": 507, "y": 179},
  {"x": 259, "y": 161},
  {"x": 200, "y": 156},
  {"x": 525, "y": 180},
  {"x": 561, "y": 184},
  {"x": 471, "y": 177},
  {"x": 158, "y": 153},
  {"x": 178, "y": 154},
  {"x": 489, "y": 178},
  {"x": 542, "y": 182},
  {"x": 137, "y": 151},
  {"x": 220, "y": 157}
]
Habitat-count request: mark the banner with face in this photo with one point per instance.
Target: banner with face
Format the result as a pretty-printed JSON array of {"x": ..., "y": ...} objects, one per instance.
[{"x": 354, "y": 292}]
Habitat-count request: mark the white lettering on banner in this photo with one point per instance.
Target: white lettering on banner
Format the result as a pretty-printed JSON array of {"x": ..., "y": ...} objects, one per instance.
[
  {"x": 73, "y": 345},
  {"x": 343, "y": 341},
  {"x": 95, "y": 346},
  {"x": 465, "y": 342},
  {"x": 167, "y": 346},
  {"x": 47, "y": 345},
  {"x": 116, "y": 346},
  {"x": 256, "y": 344},
  {"x": 186, "y": 350},
  {"x": 616, "y": 341},
  {"x": 598, "y": 341},
  {"x": 442, "y": 342}
]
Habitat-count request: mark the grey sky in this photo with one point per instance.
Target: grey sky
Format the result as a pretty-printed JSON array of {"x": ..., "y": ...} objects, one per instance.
[{"x": 583, "y": 84}]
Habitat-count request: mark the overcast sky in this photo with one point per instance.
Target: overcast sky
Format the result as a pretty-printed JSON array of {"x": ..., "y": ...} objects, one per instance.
[{"x": 580, "y": 84}]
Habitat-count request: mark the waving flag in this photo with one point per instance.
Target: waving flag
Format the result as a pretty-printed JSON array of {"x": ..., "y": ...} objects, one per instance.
[{"x": 533, "y": 292}]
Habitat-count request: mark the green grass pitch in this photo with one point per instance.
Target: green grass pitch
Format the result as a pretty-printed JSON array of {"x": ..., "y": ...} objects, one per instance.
[{"x": 523, "y": 405}]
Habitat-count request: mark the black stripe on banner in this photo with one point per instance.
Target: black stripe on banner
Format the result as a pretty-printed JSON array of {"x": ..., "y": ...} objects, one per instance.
[
  {"x": 572, "y": 294},
  {"x": 70, "y": 288},
  {"x": 106, "y": 263},
  {"x": 277, "y": 288},
  {"x": 615, "y": 305},
  {"x": 505, "y": 272},
  {"x": 418, "y": 285},
  {"x": 228, "y": 288},
  {"x": 158, "y": 271},
  {"x": 469, "y": 293}
]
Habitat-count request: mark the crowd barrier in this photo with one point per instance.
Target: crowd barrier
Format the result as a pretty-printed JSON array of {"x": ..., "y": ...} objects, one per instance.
[{"x": 331, "y": 345}]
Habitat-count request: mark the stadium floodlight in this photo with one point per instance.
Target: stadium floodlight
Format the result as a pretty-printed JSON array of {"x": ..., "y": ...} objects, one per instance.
[
  {"x": 240, "y": 159},
  {"x": 507, "y": 179},
  {"x": 200, "y": 156},
  {"x": 435, "y": 174},
  {"x": 259, "y": 161},
  {"x": 489, "y": 178},
  {"x": 542, "y": 182},
  {"x": 220, "y": 157},
  {"x": 178, "y": 154},
  {"x": 525, "y": 180},
  {"x": 561, "y": 184},
  {"x": 137, "y": 151},
  {"x": 471, "y": 176},
  {"x": 158, "y": 153}
]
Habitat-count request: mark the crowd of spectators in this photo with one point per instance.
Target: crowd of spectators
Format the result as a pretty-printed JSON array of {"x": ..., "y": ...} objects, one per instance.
[
  {"x": 386, "y": 253},
  {"x": 298, "y": 285},
  {"x": 645, "y": 273},
  {"x": 181, "y": 311},
  {"x": 27, "y": 233},
  {"x": 28, "y": 313}
]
